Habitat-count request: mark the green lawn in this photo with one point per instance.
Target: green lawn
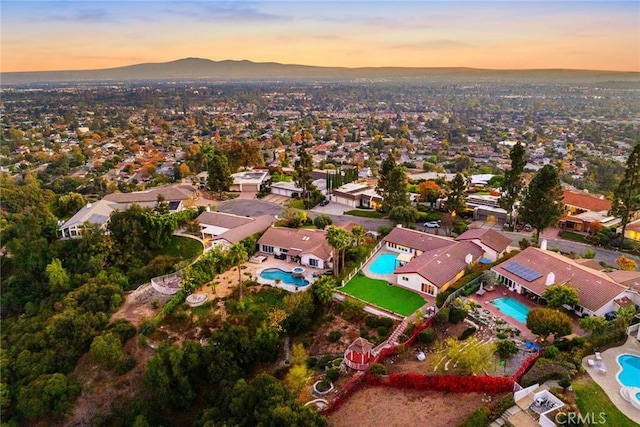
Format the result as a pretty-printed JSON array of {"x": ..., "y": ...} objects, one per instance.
[
  {"x": 593, "y": 400},
  {"x": 379, "y": 293},
  {"x": 366, "y": 214},
  {"x": 182, "y": 247}
]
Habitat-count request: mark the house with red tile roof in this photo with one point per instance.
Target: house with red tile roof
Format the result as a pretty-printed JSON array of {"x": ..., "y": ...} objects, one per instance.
[
  {"x": 494, "y": 243},
  {"x": 534, "y": 270},
  {"x": 429, "y": 264},
  {"x": 304, "y": 246},
  {"x": 583, "y": 209}
]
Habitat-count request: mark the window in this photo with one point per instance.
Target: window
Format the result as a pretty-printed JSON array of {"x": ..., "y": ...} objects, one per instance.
[
  {"x": 405, "y": 278},
  {"x": 428, "y": 288},
  {"x": 313, "y": 262},
  {"x": 267, "y": 249}
]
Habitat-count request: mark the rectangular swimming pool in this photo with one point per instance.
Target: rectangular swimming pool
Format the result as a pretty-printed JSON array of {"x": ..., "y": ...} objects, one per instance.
[
  {"x": 384, "y": 264},
  {"x": 512, "y": 308}
]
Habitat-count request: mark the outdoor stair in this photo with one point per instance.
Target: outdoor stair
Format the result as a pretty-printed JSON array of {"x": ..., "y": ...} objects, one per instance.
[{"x": 502, "y": 420}]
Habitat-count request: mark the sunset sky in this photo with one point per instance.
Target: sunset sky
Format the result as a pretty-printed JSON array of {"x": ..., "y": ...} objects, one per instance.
[{"x": 48, "y": 35}]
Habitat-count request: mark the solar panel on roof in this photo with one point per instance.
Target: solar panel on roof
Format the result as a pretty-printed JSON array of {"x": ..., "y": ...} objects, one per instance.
[{"x": 521, "y": 271}]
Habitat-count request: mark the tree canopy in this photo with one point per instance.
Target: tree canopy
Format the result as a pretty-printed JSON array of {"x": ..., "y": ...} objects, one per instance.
[
  {"x": 626, "y": 198},
  {"x": 542, "y": 205},
  {"x": 545, "y": 321}
]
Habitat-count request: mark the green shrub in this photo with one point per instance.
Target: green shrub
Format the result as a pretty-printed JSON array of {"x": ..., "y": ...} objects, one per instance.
[
  {"x": 442, "y": 317},
  {"x": 457, "y": 315},
  {"x": 332, "y": 374},
  {"x": 125, "y": 364},
  {"x": 502, "y": 335},
  {"x": 478, "y": 418},
  {"x": 334, "y": 336},
  {"x": 505, "y": 348},
  {"x": 564, "y": 383},
  {"x": 542, "y": 370},
  {"x": 377, "y": 369},
  {"x": 383, "y": 331},
  {"x": 428, "y": 336},
  {"x": 551, "y": 352},
  {"x": 467, "y": 333},
  {"x": 325, "y": 361},
  {"x": 371, "y": 321},
  {"x": 352, "y": 308}
]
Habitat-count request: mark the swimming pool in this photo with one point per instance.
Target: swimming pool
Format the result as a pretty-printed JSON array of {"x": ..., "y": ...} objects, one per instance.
[
  {"x": 629, "y": 374},
  {"x": 283, "y": 276},
  {"x": 512, "y": 308},
  {"x": 384, "y": 264}
]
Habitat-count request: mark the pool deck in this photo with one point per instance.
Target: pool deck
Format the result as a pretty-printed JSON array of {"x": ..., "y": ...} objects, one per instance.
[
  {"x": 366, "y": 270},
  {"x": 271, "y": 262},
  {"x": 609, "y": 380}
]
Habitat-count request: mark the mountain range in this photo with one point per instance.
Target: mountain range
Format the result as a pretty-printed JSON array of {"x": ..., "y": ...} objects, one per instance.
[{"x": 190, "y": 69}]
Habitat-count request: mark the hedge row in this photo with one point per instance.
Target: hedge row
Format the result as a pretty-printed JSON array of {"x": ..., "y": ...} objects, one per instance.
[{"x": 446, "y": 383}]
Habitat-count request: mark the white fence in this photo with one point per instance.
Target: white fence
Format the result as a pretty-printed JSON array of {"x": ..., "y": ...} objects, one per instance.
[{"x": 362, "y": 264}]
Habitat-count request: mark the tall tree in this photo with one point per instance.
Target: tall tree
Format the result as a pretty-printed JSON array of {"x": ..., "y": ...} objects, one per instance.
[
  {"x": 512, "y": 184},
  {"x": 542, "y": 204},
  {"x": 384, "y": 173},
  {"x": 238, "y": 256},
  {"x": 220, "y": 178},
  {"x": 626, "y": 198},
  {"x": 396, "y": 189},
  {"x": 339, "y": 239},
  {"x": 457, "y": 195},
  {"x": 302, "y": 176}
]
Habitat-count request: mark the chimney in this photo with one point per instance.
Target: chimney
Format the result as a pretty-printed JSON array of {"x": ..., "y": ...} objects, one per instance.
[
  {"x": 543, "y": 245},
  {"x": 551, "y": 279},
  {"x": 468, "y": 259}
]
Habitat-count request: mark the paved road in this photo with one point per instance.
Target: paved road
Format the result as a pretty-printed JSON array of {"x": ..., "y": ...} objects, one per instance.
[{"x": 256, "y": 207}]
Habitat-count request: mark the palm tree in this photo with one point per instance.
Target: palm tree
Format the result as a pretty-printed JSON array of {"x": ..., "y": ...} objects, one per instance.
[
  {"x": 238, "y": 256},
  {"x": 339, "y": 239},
  {"x": 323, "y": 289},
  {"x": 358, "y": 233}
]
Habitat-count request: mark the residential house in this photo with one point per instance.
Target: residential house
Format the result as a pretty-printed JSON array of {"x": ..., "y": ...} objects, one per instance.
[
  {"x": 249, "y": 181},
  {"x": 583, "y": 209},
  {"x": 177, "y": 197},
  {"x": 534, "y": 270},
  {"x": 494, "y": 243},
  {"x": 304, "y": 246},
  {"x": 219, "y": 228},
  {"x": 632, "y": 232},
  {"x": 290, "y": 189},
  {"x": 357, "y": 195},
  {"x": 429, "y": 264}
]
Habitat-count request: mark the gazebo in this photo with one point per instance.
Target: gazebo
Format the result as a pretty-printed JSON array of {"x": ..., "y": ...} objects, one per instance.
[{"x": 358, "y": 355}]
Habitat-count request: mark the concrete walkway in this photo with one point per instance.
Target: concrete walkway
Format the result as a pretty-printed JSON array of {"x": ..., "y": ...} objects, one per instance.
[{"x": 608, "y": 381}]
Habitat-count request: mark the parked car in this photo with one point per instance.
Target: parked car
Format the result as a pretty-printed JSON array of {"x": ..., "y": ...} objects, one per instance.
[
  {"x": 432, "y": 224},
  {"x": 324, "y": 202},
  {"x": 528, "y": 227}
]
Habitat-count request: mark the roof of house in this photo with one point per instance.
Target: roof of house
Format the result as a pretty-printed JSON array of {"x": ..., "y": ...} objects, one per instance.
[
  {"x": 633, "y": 226},
  {"x": 491, "y": 238},
  {"x": 257, "y": 225},
  {"x": 94, "y": 213},
  {"x": 440, "y": 266},
  {"x": 417, "y": 239},
  {"x": 170, "y": 193},
  {"x": 298, "y": 241},
  {"x": 224, "y": 220},
  {"x": 595, "y": 288},
  {"x": 630, "y": 279},
  {"x": 586, "y": 201}
]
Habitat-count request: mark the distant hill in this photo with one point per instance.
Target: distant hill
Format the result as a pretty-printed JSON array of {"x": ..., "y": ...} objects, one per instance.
[{"x": 205, "y": 69}]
